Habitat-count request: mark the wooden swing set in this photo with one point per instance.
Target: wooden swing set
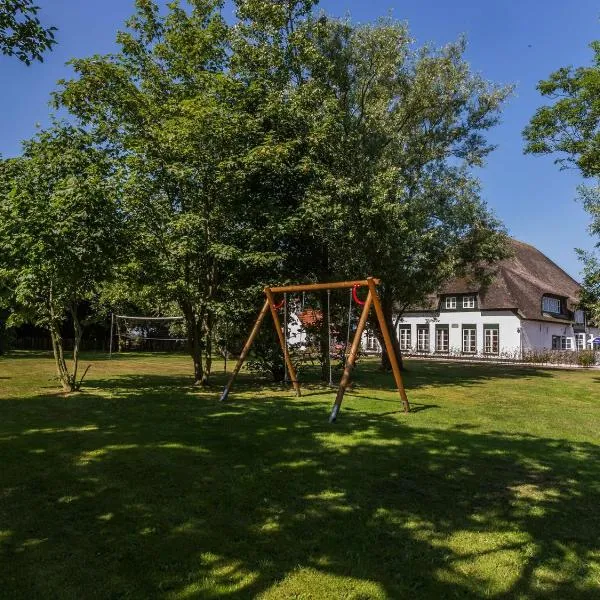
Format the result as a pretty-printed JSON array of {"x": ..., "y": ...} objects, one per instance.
[{"x": 372, "y": 299}]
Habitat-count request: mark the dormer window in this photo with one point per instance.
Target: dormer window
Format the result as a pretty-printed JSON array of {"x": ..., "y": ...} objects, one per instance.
[
  {"x": 468, "y": 302},
  {"x": 551, "y": 305},
  {"x": 451, "y": 302}
]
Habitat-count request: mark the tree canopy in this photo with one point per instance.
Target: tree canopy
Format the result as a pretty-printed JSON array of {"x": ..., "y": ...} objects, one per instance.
[
  {"x": 21, "y": 32},
  {"x": 286, "y": 145},
  {"x": 59, "y": 233},
  {"x": 570, "y": 128}
]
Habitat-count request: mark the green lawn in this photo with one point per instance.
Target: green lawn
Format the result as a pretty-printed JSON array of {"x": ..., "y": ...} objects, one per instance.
[{"x": 143, "y": 487}]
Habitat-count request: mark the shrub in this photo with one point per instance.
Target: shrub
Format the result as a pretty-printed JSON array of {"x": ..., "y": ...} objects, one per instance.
[{"x": 586, "y": 358}]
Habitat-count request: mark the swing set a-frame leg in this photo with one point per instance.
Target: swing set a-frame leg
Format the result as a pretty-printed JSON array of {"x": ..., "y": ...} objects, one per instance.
[
  {"x": 387, "y": 338},
  {"x": 284, "y": 348},
  {"x": 351, "y": 360},
  {"x": 372, "y": 298},
  {"x": 246, "y": 349}
]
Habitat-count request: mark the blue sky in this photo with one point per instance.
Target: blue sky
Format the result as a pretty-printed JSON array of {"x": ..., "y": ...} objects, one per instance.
[{"x": 509, "y": 42}]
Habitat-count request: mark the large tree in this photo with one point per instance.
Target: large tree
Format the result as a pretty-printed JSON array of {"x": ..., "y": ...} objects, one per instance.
[
  {"x": 59, "y": 235},
  {"x": 189, "y": 137},
  {"x": 21, "y": 32},
  {"x": 286, "y": 146},
  {"x": 570, "y": 128},
  {"x": 396, "y": 173}
]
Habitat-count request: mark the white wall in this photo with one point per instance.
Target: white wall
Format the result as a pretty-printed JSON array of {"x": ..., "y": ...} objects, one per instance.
[
  {"x": 508, "y": 326},
  {"x": 538, "y": 335}
]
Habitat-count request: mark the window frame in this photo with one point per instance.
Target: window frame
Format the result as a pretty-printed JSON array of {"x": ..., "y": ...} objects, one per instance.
[
  {"x": 372, "y": 343},
  {"x": 405, "y": 341},
  {"x": 489, "y": 329},
  {"x": 549, "y": 299},
  {"x": 472, "y": 339},
  {"x": 450, "y": 303},
  {"x": 426, "y": 346},
  {"x": 440, "y": 329},
  {"x": 468, "y": 302}
]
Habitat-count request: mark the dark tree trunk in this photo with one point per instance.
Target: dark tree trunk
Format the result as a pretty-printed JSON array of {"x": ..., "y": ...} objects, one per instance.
[
  {"x": 324, "y": 348},
  {"x": 194, "y": 334},
  {"x": 77, "y": 335},
  {"x": 387, "y": 305},
  {"x": 208, "y": 335}
]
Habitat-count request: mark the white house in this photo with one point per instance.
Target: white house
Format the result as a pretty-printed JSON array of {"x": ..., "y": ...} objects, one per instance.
[{"x": 531, "y": 304}]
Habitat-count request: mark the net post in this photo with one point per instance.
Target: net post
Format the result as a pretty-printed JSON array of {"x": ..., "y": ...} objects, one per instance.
[{"x": 110, "y": 342}]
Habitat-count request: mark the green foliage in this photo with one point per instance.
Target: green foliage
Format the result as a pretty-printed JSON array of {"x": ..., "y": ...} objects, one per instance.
[
  {"x": 586, "y": 358},
  {"x": 287, "y": 145},
  {"x": 21, "y": 32},
  {"x": 570, "y": 127},
  {"x": 167, "y": 107},
  {"x": 59, "y": 231},
  {"x": 266, "y": 357}
]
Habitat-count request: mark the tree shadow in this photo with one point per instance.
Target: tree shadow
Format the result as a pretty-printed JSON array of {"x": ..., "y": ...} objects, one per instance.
[
  {"x": 157, "y": 493},
  {"x": 421, "y": 373}
]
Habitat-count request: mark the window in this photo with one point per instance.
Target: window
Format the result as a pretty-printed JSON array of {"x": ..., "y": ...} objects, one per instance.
[
  {"x": 468, "y": 301},
  {"x": 442, "y": 338},
  {"x": 469, "y": 339},
  {"x": 551, "y": 305},
  {"x": 562, "y": 342},
  {"x": 423, "y": 338},
  {"x": 579, "y": 317},
  {"x": 404, "y": 337},
  {"x": 451, "y": 302},
  {"x": 372, "y": 344},
  {"x": 580, "y": 341},
  {"x": 491, "y": 339}
]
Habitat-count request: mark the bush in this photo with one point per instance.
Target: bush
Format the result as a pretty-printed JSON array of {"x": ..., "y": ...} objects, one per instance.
[
  {"x": 586, "y": 358},
  {"x": 266, "y": 357}
]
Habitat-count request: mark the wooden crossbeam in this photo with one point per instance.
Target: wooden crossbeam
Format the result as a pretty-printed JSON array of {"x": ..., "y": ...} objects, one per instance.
[
  {"x": 372, "y": 299},
  {"x": 311, "y": 287}
]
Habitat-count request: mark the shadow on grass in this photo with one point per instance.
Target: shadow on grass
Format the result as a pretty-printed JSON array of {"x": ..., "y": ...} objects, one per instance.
[
  {"x": 368, "y": 374},
  {"x": 91, "y": 356},
  {"x": 163, "y": 493}
]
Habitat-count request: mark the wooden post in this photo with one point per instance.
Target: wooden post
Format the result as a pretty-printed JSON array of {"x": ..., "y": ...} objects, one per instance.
[
  {"x": 388, "y": 344},
  {"x": 286, "y": 355},
  {"x": 351, "y": 357},
  {"x": 246, "y": 349}
]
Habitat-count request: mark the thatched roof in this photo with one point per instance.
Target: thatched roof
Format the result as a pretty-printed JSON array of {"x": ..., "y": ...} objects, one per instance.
[{"x": 519, "y": 284}]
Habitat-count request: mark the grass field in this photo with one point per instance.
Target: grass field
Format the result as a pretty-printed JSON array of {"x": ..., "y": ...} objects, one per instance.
[{"x": 143, "y": 487}]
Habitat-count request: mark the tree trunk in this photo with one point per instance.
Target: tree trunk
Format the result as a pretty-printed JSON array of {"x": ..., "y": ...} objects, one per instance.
[
  {"x": 387, "y": 304},
  {"x": 324, "y": 348},
  {"x": 194, "y": 334},
  {"x": 78, "y": 333},
  {"x": 119, "y": 337},
  {"x": 208, "y": 335},
  {"x": 62, "y": 371}
]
